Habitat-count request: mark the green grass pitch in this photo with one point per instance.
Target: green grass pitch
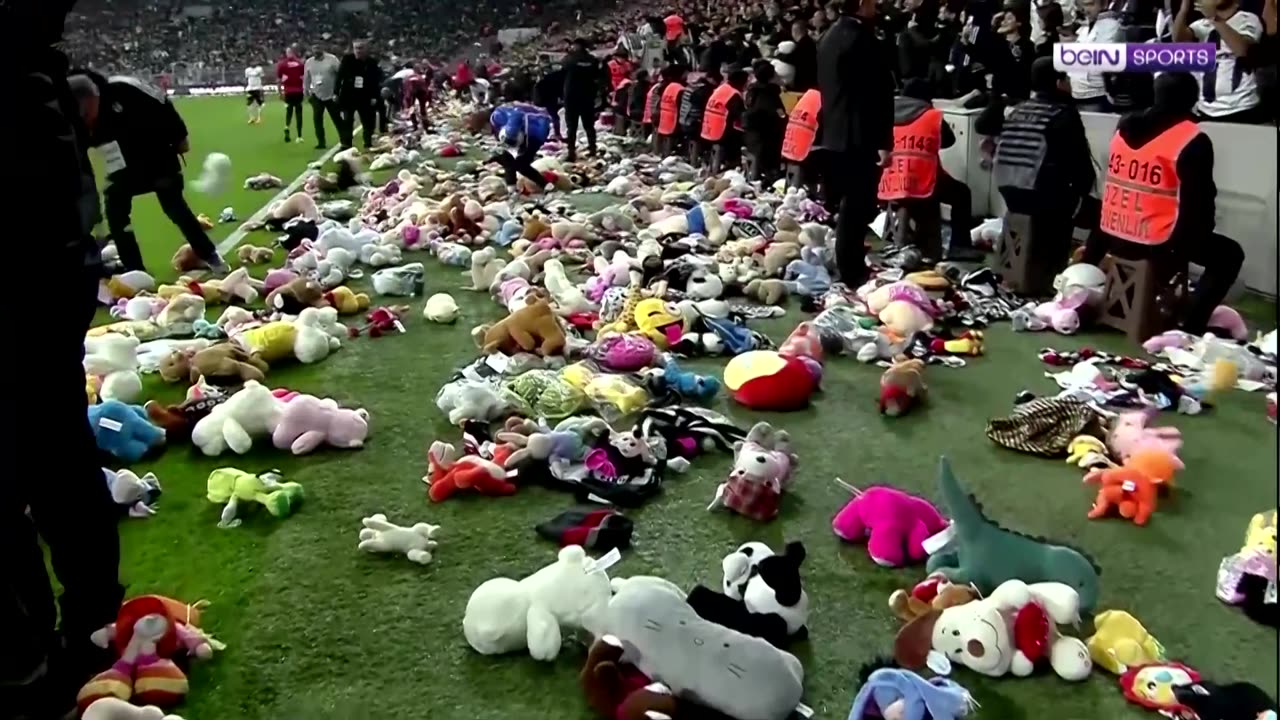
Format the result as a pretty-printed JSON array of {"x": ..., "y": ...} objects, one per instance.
[{"x": 316, "y": 629}]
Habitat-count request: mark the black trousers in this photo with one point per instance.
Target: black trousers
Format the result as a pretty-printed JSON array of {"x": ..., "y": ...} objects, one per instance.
[
  {"x": 522, "y": 164},
  {"x": 293, "y": 110},
  {"x": 363, "y": 111},
  {"x": 318, "y": 109},
  {"x": 952, "y": 192},
  {"x": 851, "y": 182},
  {"x": 384, "y": 110},
  {"x": 554, "y": 112},
  {"x": 587, "y": 117},
  {"x": 1220, "y": 256},
  {"x": 118, "y": 208},
  {"x": 70, "y": 510}
]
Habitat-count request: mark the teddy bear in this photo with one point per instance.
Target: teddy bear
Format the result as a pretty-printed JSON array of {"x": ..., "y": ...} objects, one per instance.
[
  {"x": 441, "y": 308},
  {"x": 776, "y": 256},
  {"x": 379, "y": 535},
  {"x": 254, "y": 255},
  {"x": 296, "y": 295},
  {"x": 568, "y": 297},
  {"x": 124, "y": 431},
  {"x": 532, "y": 328},
  {"x": 113, "y": 358},
  {"x": 505, "y": 615},
  {"x": 1010, "y": 631},
  {"x": 762, "y": 471},
  {"x": 306, "y": 422},
  {"x": 485, "y": 266},
  {"x": 467, "y": 399},
  {"x": 251, "y": 412},
  {"x": 768, "y": 291},
  {"x": 404, "y": 281},
  {"x": 221, "y": 363},
  {"x": 933, "y": 593},
  {"x": 318, "y": 333},
  {"x": 379, "y": 255},
  {"x": 182, "y": 308}
]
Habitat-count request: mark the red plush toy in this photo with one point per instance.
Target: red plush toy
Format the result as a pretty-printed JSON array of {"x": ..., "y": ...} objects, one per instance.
[
  {"x": 381, "y": 321},
  {"x": 450, "y": 473},
  {"x": 788, "y": 388}
]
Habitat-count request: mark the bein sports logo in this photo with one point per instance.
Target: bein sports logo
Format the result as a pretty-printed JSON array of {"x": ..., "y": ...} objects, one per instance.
[{"x": 1134, "y": 57}]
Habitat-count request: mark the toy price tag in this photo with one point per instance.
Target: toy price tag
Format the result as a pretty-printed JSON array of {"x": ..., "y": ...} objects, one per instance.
[
  {"x": 498, "y": 362},
  {"x": 1129, "y": 486},
  {"x": 109, "y": 424},
  {"x": 938, "y": 663},
  {"x": 935, "y": 543},
  {"x": 804, "y": 711},
  {"x": 597, "y": 499},
  {"x": 606, "y": 561}
]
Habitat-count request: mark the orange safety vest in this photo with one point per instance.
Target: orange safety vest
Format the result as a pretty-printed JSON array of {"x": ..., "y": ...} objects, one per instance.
[
  {"x": 648, "y": 105},
  {"x": 617, "y": 92},
  {"x": 1140, "y": 196},
  {"x": 913, "y": 164},
  {"x": 717, "y": 114},
  {"x": 668, "y": 108},
  {"x": 802, "y": 127},
  {"x": 619, "y": 71}
]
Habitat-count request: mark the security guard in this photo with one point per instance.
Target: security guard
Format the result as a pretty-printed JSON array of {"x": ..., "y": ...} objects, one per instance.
[
  {"x": 722, "y": 121},
  {"x": 1159, "y": 198},
  {"x": 668, "y": 130},
  {"x": 802, "y": 129}
]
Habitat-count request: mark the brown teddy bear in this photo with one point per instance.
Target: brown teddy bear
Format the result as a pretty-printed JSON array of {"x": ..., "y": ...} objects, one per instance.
[
  {"x": 908, "y": 606},
  {"x": 776, "y": 257},
  {"x": 186, "y": 260},
  {"x": 295, "y": 296},
  {"x": 533, "y": 328},
  {"x": 535, "y": 228},
  {"x": 607, "y": 682},
  {"x": 769, "y": 291},
  {"x": 221, "y": 364},
  {"x": 254, "y": 255}
]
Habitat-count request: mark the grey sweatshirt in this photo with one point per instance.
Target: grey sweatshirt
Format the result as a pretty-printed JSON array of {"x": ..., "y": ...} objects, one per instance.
[{"x": 320, "y": 76}]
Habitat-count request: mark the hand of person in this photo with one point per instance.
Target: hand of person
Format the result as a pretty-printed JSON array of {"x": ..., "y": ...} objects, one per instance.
[
  {"x": 884, "y": 158},
  {"x": 1208, "y": 8}
]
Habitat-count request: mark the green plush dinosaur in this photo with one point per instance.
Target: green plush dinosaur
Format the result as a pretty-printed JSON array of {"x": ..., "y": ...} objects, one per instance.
[
  {"x": 985, "y": 554},
  {"x": 232, "y": 486}
]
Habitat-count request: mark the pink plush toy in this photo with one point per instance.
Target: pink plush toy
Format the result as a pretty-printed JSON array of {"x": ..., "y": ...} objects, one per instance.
[
  {"x": 308, "y": 421},
  {"x": 739, "y": 208},
  {"x": 1131, "y": 434},
  {"x": 411, "y": 235},
  {"x": 1063, "y": 314},
  {"x": 894, "y": 523},
  {"x": 276, "y": 279},
  {"x": 1228, "y": 319}
]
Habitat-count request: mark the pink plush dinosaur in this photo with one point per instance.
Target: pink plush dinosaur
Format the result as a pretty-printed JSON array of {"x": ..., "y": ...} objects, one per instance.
[
  {"x": 894, "y": 523},
  {"x": 308, "y": 421}
]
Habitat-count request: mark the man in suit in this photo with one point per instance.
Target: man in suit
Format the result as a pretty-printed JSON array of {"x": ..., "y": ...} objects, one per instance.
[{"x": 855, "y": 128}]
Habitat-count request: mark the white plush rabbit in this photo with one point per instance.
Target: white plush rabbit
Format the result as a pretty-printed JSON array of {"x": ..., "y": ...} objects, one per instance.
[{"x": 381, "y": 536}]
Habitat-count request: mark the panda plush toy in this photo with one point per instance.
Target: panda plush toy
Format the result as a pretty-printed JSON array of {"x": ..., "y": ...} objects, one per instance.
[{"x": 762, "y": 594}]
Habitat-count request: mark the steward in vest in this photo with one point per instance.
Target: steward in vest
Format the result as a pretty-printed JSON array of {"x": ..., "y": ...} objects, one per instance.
[
  {"x": 764, "y": 120},
  {"x": 669, "y": 106},
  {"x": 1043, "y": 163},
  {"x": 722, "y": 123},
  {"x": 620, "y": 68},
  {"x": 670, "y": 74},
  {"x": 914, "y": 170},
  {"x": 618, "y": 102},
  {"x": 802, "y": 127},
  {"x": 1159, "y": 198}
]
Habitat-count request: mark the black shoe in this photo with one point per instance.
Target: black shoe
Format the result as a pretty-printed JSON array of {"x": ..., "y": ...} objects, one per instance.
[
  {"x": 286, "y": 135},
  {"x": 320, "y": 146}
]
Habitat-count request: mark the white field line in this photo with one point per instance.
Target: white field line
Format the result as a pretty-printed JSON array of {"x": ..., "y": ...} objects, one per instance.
[{"x": 237, "y": 236}]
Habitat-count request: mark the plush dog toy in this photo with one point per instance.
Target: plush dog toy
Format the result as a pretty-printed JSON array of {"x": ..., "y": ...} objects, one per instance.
[
  {"x": 761, "y": 472},
  {"x": 505, "y": 615},
  {"x": 448, "y": 472},
  {"x": 1010, "y": 631},
  {"x": 893, "y": 523},
  {"x": 533, "y": 328},
  {"x": 902, "y": 386},
  {"x": 415, "y": 542},
  {"x": 229, "y": 487}
]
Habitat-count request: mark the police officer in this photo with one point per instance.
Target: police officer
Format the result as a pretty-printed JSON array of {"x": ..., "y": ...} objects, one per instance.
[
  {"x": 68, "y": 507},
  {"x": 141, "y": 137},
  {"x": 914, "y": 170},
  {"x": 1159, "y": 199}
]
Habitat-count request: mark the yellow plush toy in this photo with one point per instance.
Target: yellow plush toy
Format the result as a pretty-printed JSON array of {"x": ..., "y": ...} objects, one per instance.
[
  {"x": 272, "y": 342},
  {"x": 1120, "y": 642},
  {"x": 1261, "y": 535},
  {"x": 347, "y": 301},
  {"x": 657, "y": 322}
]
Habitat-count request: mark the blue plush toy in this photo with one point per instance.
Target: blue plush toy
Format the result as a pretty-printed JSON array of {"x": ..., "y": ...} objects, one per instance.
[
  {"x": 509, "y": 233},
  {"x": 807, "y": 275},
  {"x": 688, "y": 385},
  {"x": 904, "y": 695},
  {"x": 124, "y": 431},
  {"x": 204, "y": 329}
]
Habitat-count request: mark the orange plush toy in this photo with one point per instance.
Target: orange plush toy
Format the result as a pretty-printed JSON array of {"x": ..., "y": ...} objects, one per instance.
[
  {"x": 1132, "y": 488},
  {"x": 450, "y": 473}
]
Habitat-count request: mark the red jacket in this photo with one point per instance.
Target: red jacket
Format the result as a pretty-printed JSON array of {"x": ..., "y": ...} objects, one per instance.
[{"x": 289, "y": 75}]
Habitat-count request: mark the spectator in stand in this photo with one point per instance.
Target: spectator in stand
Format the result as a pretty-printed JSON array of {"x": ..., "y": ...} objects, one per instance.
[
  {"x": 289, "y": 75},
  {"x": 1263, "y": 58},
  {"x": 320, "y": 78},
  {"x": 584, "y": 84},
  {"x": 856, "y": 128},
  {"x": 763, "y": 121},
  {"x": 804, "y": 57},
  {"x": 359, "y": 92},
  {"x": 1054, "y": 24},
  {"x": 1011, "y": 60},
  {"x": 923, "y": 47},
  {"x": 1088, "y": 88},
  {"x": 1229, "y": 92}
]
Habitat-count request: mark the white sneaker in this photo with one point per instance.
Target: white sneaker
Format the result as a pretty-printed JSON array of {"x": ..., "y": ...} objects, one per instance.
[{"x": 299, "y": 140}]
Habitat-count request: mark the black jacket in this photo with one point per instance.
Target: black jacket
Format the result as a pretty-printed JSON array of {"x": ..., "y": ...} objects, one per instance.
[
  {"x": 1197, "y": 192},
  {"x": 549, "y": 91},
  {"x": 857, "y": 90},
  {"x": 358, "y": 80},
  {"x": 764, "y": 120},
  {"x": 583, "y": 79},
  {"x": 139, "y": 117},
  {"x": 922, "y": 53},
  {"x": 637, "y": 93},
  {"x": 805, "y": 60},
  {"x": 1043, "y": 157}
]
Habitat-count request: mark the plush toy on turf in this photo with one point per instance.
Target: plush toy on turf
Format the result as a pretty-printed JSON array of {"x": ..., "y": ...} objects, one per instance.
[
  {"x": 984, "y": 554},
  {"x": 1010, "y": 631},
  {"x": 135, "y": 495},
  {"x": 762, "y": 468},
  {"x": 891, "y": 693},
  {"x": 231, "y": 487},
  {"x": 1133, "y": 489},
  {"x": 902, "y": 386},
  {"x": 450, "y": 472},
  {"x": 307, "y": 422},
  {"x": 1119, "y": 642},
  {"x": 505, "y": 615},
  {"x": 933, "y": 593},
  {"x": 110, "y": 708},
  {"x": 124, "y": 431},
  {"x": 382, "y": 321},
  {"x": 148, "y": 632},
  {"x": 382, "y": 536},
  {"x": 251, "y": 412},
  {"x": 893, "y": 523},
  {"x": 763, "y": 596}
]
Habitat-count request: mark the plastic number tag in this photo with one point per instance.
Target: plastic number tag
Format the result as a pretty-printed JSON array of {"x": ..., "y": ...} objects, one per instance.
[
  {"x": 113, "y": 157},
  {"x": 1129, "y": 486}
]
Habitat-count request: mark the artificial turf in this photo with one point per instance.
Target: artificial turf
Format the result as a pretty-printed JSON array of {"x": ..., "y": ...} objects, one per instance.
[{"x": 316, "y": 629}]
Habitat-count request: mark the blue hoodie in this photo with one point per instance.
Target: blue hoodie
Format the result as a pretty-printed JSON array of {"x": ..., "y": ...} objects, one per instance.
[{"x": 531, "y": 120}]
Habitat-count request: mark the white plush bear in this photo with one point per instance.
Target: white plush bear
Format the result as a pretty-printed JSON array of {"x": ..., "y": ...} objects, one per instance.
[
  {"x": 405, "y": 280},
  {"x": 381, "y": 536},
  {"x": 114, "y": 358},
  {"x": 485, "y": 266},
  {"x": 379, "y": 255},
  {"x": 505, "y": 615},
  {"x": 184, "y": 308},
  {"x": 251, "y": 412},
  {"x": 568, "y": 297},
  {"x": 470, "y": 400},
  {"x": 318, "y": 334},
  {"x": 440, "y": 308},
  {"x": 110, "y": 708}
]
